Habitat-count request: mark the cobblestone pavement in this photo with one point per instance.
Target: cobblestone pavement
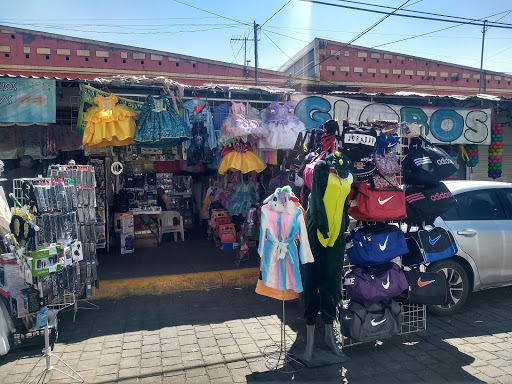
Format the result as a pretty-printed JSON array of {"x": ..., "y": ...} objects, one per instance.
[{"x": 219, "y": 337}]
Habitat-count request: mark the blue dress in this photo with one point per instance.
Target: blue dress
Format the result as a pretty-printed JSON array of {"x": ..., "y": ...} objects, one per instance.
[
  {"x": 159, "y": 125},
  {"x": 243, "y": 198}
]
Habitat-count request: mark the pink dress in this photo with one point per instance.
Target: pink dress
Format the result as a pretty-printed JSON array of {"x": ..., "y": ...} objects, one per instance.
[
  {"x": 283, "y": 125},
  {"x": 239, "y": 124}
]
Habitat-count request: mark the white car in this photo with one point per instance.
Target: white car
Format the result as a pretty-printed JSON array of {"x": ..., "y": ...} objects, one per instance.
[{"x": 481, "y": 223}]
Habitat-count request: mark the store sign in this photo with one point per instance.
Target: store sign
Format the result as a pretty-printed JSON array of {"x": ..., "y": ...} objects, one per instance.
[
  {"x": 87, "y": 97},
  {"x": 442, "y": 125},
  {"x": 27, "y": 100}
]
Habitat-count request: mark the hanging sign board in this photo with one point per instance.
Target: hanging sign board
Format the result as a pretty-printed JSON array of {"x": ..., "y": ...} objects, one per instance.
[
  {"x": 27, "y": 100},
  {"x": 87, "y": 96},
  {"x": 442, "y": 125}
]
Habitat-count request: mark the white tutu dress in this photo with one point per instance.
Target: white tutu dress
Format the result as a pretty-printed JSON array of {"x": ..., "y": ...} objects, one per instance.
[{"x": 283, "y": 125}]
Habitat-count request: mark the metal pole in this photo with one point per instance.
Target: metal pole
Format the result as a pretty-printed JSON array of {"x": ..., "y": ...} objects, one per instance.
[
  {"x": 256, "y": 53},
  {"x": 482, "y": 58},
  {"x": 245, "y": 56}
]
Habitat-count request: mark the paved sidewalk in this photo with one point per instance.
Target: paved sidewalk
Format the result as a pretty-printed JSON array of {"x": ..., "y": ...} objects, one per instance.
[{"x": 218, "y": 337}]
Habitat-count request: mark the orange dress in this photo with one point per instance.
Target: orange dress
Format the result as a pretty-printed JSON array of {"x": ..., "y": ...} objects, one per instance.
[{"x": 109, "y": 123}]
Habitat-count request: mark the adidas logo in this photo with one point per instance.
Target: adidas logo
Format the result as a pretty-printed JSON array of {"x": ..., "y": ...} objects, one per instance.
[
  {"x": 414, "y": 197},
  {"x": 444, "y": 161},
  {"x": 441, "y": 196},
  {"x": 422, "y": 160}
]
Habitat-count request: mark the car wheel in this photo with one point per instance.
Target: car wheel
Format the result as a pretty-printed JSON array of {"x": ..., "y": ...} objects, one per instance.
[{"x": 458, "y": 286}]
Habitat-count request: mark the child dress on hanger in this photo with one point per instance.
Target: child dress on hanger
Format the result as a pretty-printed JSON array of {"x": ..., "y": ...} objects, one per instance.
[
  {"x": 108, "y": 123},
  {"x": 283, "y": 125},
  {"x": 240, "y": 156},
  {"x": 239, "y": 124},
  {"x": 243, "y": 198},
  {"x": 159, "y": 125}
]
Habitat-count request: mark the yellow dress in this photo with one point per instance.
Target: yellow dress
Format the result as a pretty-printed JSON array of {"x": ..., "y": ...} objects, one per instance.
[
  {"x": 109, "y": 123},
  {"x": 240, "y": 156}
]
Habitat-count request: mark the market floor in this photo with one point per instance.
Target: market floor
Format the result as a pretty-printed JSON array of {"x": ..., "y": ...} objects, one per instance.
[
  {"x": 219, "y": 336},
  {"x": 195, "y": 254}
]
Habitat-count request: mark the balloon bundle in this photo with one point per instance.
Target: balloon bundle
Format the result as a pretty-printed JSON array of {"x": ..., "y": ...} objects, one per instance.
[
  {"x": 472, "y": 151},
  {"x": 496, "y": 152}
]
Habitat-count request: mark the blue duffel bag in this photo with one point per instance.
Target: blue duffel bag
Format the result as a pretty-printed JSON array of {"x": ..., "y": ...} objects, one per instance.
[{"x": 375, "y": 244}]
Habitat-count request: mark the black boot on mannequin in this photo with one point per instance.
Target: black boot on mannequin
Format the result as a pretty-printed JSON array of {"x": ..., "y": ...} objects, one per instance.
[
  {"x": 330, "y": 340},
  {"x": 308, "y": 353}
]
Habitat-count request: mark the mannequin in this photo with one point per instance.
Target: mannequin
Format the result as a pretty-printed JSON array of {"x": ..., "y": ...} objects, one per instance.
[{"x": 327, "y": 221}]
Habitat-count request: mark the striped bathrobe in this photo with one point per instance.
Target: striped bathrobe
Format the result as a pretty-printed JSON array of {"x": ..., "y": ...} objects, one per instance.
[{"x": 278, "y": 250}]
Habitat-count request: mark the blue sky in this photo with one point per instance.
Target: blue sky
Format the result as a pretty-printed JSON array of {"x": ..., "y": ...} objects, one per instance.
[{"x": 170, "y": 26}]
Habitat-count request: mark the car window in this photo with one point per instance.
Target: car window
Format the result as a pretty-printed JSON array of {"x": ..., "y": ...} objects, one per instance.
[
  {"x": 476, "y": 205},
  {"x": 508, "y": 195}
]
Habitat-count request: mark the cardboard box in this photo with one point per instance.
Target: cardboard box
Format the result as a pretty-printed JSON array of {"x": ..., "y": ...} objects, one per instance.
[
  {"x": 9, "y": 272},
  {"x": 126, "y": 243},
  {"x": 19, "y": 301},
  {"x": 123, "y": 222},
  {"x": 45, "y": 260}
]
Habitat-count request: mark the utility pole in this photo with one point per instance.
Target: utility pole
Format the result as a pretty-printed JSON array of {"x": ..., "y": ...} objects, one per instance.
[
  {"x": 256, "y": 26},
  {"x": 245, "y": 40},
  {"x": 482, "y": 58}
]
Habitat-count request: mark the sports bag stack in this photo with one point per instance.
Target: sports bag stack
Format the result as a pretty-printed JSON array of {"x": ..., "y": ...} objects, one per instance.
[{"x": 375, "y": 200}]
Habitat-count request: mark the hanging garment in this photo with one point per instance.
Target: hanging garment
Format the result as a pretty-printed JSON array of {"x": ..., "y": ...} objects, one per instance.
[
  {"x": 327, "y": 221},
  {"x": 159, "y": 125},
  {"x": 240, "y": 156},
  {"x": 283, "y": 125},
  {"x": 198, "y": 111},
  {"x": 198, "y": 150},
  {"x": 220, "y": 114},
  {"x": 281, "y": 222},
  {"x": 108, "y": 124},
  {"x": 239, "y": 124},
  {"x": 243, "y": 198}
]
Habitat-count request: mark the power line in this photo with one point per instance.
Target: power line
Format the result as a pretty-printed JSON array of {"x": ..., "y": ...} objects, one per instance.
[
  {"x": 429, "y": 33},
  {"x": 278, "y": 47},
  {"x": 290, "y": 37},
  {"x": 211, "y": 13},
  {"x": 508, "y": 26},
  {"x": 419, "y": 12},
  {"x": 275, "y": 13}
]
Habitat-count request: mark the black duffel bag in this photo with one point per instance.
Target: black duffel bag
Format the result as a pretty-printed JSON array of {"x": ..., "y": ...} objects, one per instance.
[
  {"x": 427, "y": 165},
  {"x": 428, "y": 288},
  {"x": 358, "y": 143},
  {"x": 371, "y": 321},
  {"x": 424, "y": 203}
]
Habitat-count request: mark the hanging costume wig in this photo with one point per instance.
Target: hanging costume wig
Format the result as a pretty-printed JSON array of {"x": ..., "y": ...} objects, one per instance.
[
  {"x": 327, "y": 221},
  {"x": 281, "y": 223},
  {"x": 240, "y": 156},
  {"x": 109, "y": 123}
]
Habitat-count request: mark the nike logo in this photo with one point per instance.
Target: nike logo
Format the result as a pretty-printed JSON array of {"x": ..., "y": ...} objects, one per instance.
[
  {"x": 348, "y": 318},
  {"x": 382, "y": 202},
  {"x": 432, "y": 242},
  {"x": 383, "y": 246},
  {"x": 386, "y": 286},
  {"x": 423, "y": 283},
  {"x": 375, "y": 323}
]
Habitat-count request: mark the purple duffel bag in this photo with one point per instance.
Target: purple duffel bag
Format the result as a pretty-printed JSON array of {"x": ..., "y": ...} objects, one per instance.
[{"x": 375, "y": 283}]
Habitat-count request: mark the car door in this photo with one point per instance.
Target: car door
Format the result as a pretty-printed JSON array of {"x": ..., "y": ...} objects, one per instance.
[
  {"x": 505, "y": 195},
  {"x": 479, "y": 224}
]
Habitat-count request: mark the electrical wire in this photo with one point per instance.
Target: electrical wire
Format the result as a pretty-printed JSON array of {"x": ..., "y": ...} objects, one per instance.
[
  {"x": 508, "y": 26},
  {"x": 211, "y": 13},
  {"x": 275, "y": 13},
  {"x": 278, "y": 47},
  {"x": 419, "y": 12}
]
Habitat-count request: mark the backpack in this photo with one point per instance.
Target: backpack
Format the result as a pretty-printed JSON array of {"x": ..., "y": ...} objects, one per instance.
[
  {"x": 427, "y": 165},
  {"x": 227, "y": 233},
  {"x": 427, "y": 246},
  {"x": 217, "y": 213},
  {"x": 375, "y": 283},
  {"x": 428, "y": 288},
  {"x": 220, "y": 221},
  {"x": 427, "y": 202},
  {"x": 375, "y": 244},
  {"x": 364, "y": 171},
  {"x": 370, "y": 204},
  {"x": 383, "y": 183},
  {"x": 371, "y": 321},
  {"x": 358, "y": 143}
]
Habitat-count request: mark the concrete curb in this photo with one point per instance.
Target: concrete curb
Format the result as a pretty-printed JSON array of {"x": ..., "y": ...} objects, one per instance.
[{"x": 160, "y": 285}]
